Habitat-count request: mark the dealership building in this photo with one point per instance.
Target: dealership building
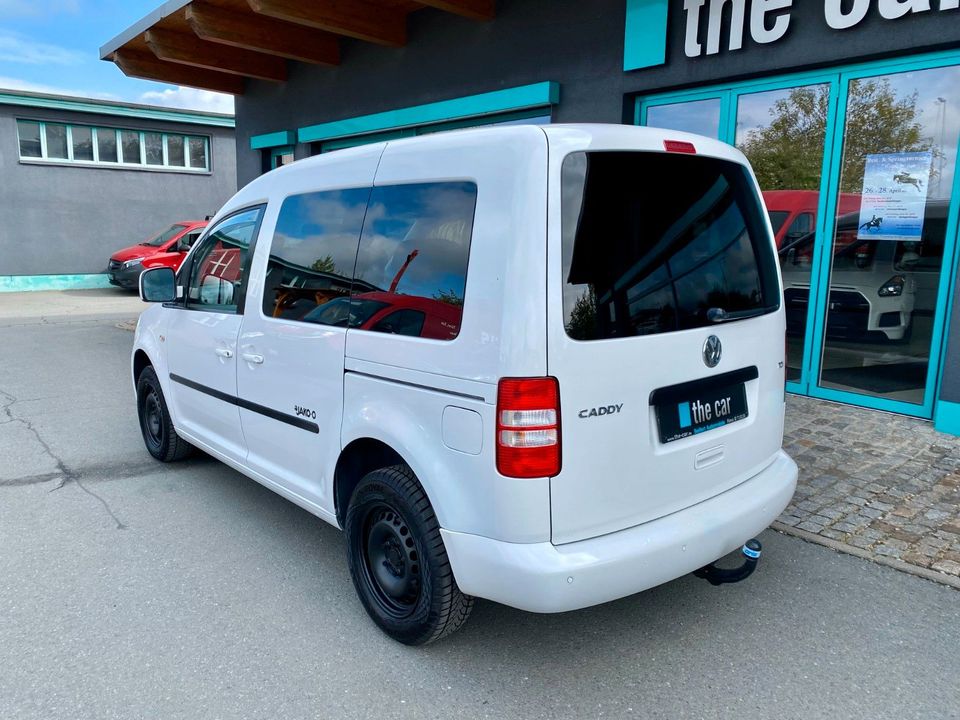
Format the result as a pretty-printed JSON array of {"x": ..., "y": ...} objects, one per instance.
[
  {"x": 849, "y": 111},
  {"x": 82, "y": 178}
]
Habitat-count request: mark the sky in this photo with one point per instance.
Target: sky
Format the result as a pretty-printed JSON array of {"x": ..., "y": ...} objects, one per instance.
[{"x": 53, "y": 46}]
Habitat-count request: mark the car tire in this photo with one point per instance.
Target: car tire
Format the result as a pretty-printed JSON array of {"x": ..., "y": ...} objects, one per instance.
[
  {"x": 156, "y": 426},
  {"x": 398, "y": 562}
]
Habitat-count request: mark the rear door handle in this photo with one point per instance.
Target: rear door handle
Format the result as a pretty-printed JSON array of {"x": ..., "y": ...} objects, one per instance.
[
  {"x": 224, "y": 352},
  {"x": 252, "y": 358}
]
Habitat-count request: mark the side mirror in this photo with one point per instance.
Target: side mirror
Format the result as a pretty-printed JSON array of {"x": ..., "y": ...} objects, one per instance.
[{"x": 158, "y": 285}]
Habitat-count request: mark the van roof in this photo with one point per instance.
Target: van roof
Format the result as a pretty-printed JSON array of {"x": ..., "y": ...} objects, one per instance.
[{"x": 569, "y": 137}]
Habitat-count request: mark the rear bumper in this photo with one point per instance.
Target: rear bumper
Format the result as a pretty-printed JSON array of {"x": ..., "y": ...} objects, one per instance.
[{"x": 547, "y": 578}]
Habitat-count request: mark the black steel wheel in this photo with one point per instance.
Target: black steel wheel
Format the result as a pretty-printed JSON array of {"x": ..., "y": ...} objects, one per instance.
[
  {"x": 159, "y": 436},
  {"x": 397, "y": 560}
]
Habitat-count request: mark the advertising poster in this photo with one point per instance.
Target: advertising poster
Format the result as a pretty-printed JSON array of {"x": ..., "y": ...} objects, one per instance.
[{"x": 894, "y": 196}]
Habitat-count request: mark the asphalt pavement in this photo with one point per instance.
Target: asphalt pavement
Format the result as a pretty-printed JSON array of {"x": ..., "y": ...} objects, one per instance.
[{"x": 130, "y": 589}]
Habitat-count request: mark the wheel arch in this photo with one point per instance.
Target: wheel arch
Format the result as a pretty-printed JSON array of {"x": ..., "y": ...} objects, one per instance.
[
  {"x": 141, "y": 361},
  {"x": 358, "y": 458}
]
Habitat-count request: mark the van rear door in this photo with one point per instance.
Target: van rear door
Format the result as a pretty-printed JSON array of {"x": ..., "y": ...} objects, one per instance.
[{"x": 666, "y": 332}]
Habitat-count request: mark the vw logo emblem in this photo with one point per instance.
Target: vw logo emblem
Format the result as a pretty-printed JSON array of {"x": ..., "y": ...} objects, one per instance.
[{"x": 712, "y": 351}]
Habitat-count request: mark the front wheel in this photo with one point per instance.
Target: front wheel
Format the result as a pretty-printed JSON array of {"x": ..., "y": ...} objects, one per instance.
[
  {"x": 156, "y": 426},
  {"x": 398, "y": 562}
]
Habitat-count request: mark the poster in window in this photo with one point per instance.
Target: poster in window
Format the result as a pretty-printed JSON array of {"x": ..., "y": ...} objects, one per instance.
[{"x": 894, "y": 196}]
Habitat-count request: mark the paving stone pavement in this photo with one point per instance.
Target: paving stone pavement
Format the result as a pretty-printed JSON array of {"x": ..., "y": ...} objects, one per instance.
[{"x": 883, "y": 484}]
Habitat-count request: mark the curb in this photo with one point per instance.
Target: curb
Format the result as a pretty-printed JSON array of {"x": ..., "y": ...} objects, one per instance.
[{"x": 926, "y": 574}]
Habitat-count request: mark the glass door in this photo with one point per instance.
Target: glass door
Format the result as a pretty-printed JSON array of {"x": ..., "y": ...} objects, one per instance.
[
  {"x": 857, "y": 167},
  {"x": 881, "y": 309},
  {"x": 783, "y": 132}
]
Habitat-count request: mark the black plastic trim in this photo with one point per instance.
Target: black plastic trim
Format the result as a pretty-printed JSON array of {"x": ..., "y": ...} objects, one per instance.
[
  {"x": 685, "y": 391},
  {"x": 247, "y": 405}
]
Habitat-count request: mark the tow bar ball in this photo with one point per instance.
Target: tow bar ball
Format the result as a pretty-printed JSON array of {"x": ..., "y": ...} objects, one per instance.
[{"x": 722, "y": 576}]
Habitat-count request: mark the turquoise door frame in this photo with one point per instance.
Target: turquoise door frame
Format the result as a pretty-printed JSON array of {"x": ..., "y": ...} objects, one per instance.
[{"x": 839, "y": 79}]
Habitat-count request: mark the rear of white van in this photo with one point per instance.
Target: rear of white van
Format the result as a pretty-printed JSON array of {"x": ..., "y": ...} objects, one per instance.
[{"x": 665, "y": 355}]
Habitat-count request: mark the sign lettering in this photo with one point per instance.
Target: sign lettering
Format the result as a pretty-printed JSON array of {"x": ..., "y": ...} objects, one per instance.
[{"x": 770, "y": 19}]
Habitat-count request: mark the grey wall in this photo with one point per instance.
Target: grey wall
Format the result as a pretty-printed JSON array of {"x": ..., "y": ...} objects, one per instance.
[{"x": 68, "y": 219}]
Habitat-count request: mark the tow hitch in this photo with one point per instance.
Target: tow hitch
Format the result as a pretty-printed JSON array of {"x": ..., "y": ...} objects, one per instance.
[{"x": 721, "y": 576}]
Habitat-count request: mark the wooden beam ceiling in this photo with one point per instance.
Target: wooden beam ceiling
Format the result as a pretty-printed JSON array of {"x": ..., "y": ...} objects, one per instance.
[
  {"x": 148, "y": 67},
  {"x": 473, "y": 9},
  {"x": 213, "y": 44},
  {"x": 190, "y": 50},
  {"x": 262, "y": 34},
  {"x": 358, "y": 19}
]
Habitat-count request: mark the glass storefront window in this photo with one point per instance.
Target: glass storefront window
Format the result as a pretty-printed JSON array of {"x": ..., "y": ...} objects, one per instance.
[
  {"x": 782, "y": 133},
  {"x": 699, "y": 116},
  {"x": 899, "y": 160}
]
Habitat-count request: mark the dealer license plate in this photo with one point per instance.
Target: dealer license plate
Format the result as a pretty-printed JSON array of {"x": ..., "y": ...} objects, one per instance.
[{"x": 709, "y": 410}]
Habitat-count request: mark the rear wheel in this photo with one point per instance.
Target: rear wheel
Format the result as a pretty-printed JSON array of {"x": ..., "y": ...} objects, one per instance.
[
  {"x": 398, "y": 562},
  {"x": 156, "y": 426}
]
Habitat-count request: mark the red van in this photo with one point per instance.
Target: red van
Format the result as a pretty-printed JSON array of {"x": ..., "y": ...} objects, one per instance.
[
  {"x": 793, "y": 213},
  {"x": 167, "y": 248}
]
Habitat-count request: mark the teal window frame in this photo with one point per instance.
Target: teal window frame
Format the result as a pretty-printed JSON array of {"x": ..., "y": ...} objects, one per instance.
[
  {"x": 357, "y": 140},
  {"x": 839, "y": 78},
  {"x": 278, "y": 152},
  {"x": 139, "y": 163},
  {"x": 497, "y": 106}
]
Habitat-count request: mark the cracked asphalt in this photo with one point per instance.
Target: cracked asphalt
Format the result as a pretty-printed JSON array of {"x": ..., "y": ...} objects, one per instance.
[{"x": 129, "y": 589}]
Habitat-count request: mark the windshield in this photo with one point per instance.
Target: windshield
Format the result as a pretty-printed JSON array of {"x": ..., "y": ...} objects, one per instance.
[
  {"x": 777, "y": 219},
  {"x": 659, "y": 242},
  {"x": 165, "y": 236}
]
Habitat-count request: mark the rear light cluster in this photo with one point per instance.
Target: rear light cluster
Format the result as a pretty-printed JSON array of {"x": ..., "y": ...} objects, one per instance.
[{"x": 528, "y": 427}]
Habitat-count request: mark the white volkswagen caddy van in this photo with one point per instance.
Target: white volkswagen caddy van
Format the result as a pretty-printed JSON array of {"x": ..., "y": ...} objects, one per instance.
[{"x": 543, "y": 366}]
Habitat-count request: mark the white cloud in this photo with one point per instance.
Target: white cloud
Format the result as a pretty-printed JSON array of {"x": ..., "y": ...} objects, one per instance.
[
  {"x": 190, "y": 99},
  {"x": 12, "y": 83},
  {"x": 37, "y": 8},
  {"x": 18, "y": 48}
]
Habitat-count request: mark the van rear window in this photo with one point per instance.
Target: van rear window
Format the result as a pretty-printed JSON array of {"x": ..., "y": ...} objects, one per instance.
[{"x": 656, "y": 242}]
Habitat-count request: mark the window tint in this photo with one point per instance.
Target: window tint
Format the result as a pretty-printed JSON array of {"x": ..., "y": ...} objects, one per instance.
[
  {"x": 82, "y": 143},
  {"x": 414, "y": 252},
  {"x": 198, "y": 153},
  {"x": 29, "y": 133},
  {"x": 216, "y": 271},
  {"x": 175, "y": 151},
  {"x": 656, "y": 242},
  {"x": 56, "y": 141},
  {"x": 402, "y": 322},
  {"x": 107, "y": 145},
  {"x": 130, "y": 145},
  {"x": 153, "y": 144},
  {"x": 312, "y": 256}
]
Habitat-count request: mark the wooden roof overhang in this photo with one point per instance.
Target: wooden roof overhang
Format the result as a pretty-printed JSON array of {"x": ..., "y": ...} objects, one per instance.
[{"x": 218, "y": 44}]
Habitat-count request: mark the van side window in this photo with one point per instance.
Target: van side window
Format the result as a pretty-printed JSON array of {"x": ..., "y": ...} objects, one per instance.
[
  {"x": 413, "y": 257},
  {"x": 218, "y": 265},
  {"x": 312, "y": 256}
]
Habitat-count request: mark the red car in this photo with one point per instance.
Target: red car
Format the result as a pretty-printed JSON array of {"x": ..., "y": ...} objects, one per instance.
[
  {"x": 165, "y": 249},
  {"x": 793, "y": 213}
]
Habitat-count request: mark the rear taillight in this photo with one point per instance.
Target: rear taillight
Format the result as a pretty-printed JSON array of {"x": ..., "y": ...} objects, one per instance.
[
  {"x": 528, "y": 427},
  {"x": 679, "y": 146}
]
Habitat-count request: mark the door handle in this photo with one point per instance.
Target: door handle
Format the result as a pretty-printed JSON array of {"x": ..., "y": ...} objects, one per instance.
[
  {"x": 224, "y": 352},
  {"x": 252, "y": 358}
]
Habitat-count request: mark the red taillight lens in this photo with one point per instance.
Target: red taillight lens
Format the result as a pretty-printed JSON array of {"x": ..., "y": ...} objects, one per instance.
[
  {"x": 679, "y": 146},
  {"x": 528, "y": 427}
]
